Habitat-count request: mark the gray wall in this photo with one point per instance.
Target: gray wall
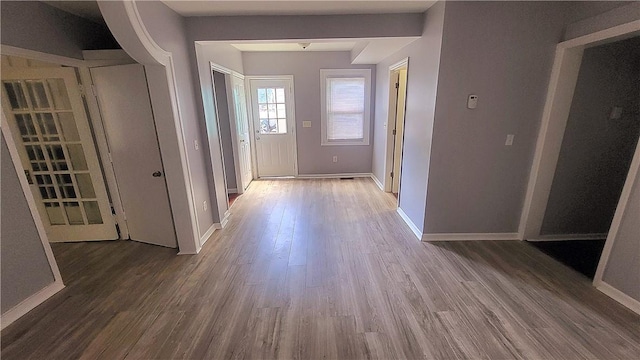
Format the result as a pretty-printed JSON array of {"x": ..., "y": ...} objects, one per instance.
[
  {"x": 623, "y": 268},
  {"x": 303, "y": 27},
  {"x": 37, "y": 26},
  {"x": 305, "y": 68},
  {"x": 502, "y": 52},
  {"x": 596, "y": 152},
  {"x": 424, "y": 62},
  {"x": 25, "y": 268},
  {"x": 168, "y": 29},
  {"x": 225, "y": 129},
  {"x": 590, "y": 16}
]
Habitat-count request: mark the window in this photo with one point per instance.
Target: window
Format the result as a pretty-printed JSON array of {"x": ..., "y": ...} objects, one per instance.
[
  {"x": 346, "y": 104},
  {"x": 273, "y": 110}
]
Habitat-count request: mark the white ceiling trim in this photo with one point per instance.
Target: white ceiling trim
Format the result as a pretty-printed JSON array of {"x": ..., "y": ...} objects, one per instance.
[{"x": 295, "y": 7}]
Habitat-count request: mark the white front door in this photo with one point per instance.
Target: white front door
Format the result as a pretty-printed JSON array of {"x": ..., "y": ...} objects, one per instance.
[
  {"x": 274, "y": 126},
  {"x": 242, "y": 131},
  {"x": 123, "y": 97},
  {"x": 48, "y": 122}
]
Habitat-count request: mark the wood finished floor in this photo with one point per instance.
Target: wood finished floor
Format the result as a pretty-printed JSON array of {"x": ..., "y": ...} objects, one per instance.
[{"x": 313, "y": 269}]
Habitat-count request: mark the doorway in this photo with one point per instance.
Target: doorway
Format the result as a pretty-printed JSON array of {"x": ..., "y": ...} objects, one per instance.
[
  {"x": 561, "y": 91},
  {"x": 272, "y": 104},
  {"x": 601, "y": 135},
  {"x": 398, "y": 74},
  {"x": 233, "y": 123}
]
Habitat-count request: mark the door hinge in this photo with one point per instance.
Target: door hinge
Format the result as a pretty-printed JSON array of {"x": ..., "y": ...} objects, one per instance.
[
  {"x": 394, "y": 132},
  {"x": 397, "y": 85},
  {"x": 391, "y": 174},
  {"x": 81, "y": 89},
  {"x": 94, "y": 93}
]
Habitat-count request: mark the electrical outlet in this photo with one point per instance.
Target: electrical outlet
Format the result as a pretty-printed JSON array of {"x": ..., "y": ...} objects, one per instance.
[
  {"x": 509, "y": 140},
  {"x": 204, "y": 205},
  {"x": 196, "y": 145},
  {"x": 335, "y": 158}
]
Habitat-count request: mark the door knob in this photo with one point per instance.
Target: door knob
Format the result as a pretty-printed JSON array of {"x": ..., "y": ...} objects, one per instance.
[
  {"x": 242, "y": 140},
  {"x": 257, "y": 137},
  {"x": 157, "y": 174}
]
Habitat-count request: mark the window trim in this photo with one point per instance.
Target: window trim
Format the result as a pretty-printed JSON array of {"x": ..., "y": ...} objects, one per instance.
[{"x": 345, "y": 73}]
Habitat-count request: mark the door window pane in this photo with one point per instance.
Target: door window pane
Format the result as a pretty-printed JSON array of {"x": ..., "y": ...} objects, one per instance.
[
  {"x": 26, "y": 127},
  {"x": 37, "y": 94},
  {"x": 65, "y": 185},
  {"x": 68, "y": 124},
  {"x": 16, "y": 95},
  {"x": 58, "y": 92},
  {"x": 272, "y": 111},
  {"x": 74, "y": 214},
  {"x": 76, "y": 153},
  {"x": 57, "y": 158},
  {"x": 93, "y": 212},
  {"x": 54, "y": 213},
  {"x": 85, "y": 186},
  {"x": 47, "y": 126}
]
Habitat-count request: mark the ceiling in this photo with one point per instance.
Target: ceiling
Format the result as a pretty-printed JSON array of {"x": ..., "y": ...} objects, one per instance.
[
  {"x": 87, "y": 9},
  {"x": 295, "y": 7},
  {"x": 295, "y": 46}
]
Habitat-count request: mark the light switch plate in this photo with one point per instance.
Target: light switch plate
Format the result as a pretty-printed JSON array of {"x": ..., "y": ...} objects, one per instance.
[
  {"x": 306, "y": 124},
  {"x": 509, "y": 140}
]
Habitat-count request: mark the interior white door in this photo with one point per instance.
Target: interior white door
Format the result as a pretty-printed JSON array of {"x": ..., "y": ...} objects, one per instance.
[
  {"x": 47, "y": 119},
  {"x": 399, "y": 129},
  {"x": 274, "y": 126},
  {"x": 123, "y": 98},
  {"x": 242, "y": 131}
]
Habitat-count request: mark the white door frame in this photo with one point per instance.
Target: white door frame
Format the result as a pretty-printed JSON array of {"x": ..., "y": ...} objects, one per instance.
[
  {"x": 254, "y": 156},
  {"x": 109, "y": 58},
  {"x": 391, "y": 119},
  {"x": 564, "y": 76},
  {"x": 233, "y": 125}
]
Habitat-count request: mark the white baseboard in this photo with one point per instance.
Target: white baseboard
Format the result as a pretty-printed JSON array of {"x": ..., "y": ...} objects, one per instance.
[
  {"x": 470, "y": 236},
  {"x": 333, "y": 176},
  {"x": 223, "y": 222},
  {"x": 568, "y": 237},
  {"x": 375, "y": 180},
  {"x": 416, "y": 231},
  {"x": 30, "y": 303},
  {"x": 208, "y": 234},
  {"x": 619, "y": 296},
  {"x": 232, "y": 191}
]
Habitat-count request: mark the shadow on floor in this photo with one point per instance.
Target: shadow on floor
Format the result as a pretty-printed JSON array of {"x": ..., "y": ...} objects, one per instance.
[{"x": 581, "y": 255}]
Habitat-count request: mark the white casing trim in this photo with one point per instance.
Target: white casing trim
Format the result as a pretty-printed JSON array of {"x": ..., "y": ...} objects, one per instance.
[
  {"x": 619, "y": 296},
  {"x": 377, "y": 181},
  {"x": 30, "y": 303},
  {"x": 569, "y": 237},
  {"x": 416, "y": 231},
  {"x": 470, "y": 237}
]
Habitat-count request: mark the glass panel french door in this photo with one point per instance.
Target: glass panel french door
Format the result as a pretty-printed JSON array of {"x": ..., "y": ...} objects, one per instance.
[{"x": 47, "y": 120}]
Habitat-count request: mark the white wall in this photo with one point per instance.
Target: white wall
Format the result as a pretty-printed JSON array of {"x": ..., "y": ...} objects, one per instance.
[
  {"x": 424, "y": 63},
  {"x": 305, "y": 68}
]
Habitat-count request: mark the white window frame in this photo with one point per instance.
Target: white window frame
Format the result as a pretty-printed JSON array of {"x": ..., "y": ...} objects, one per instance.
[{"x": 345, "y": 73}]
